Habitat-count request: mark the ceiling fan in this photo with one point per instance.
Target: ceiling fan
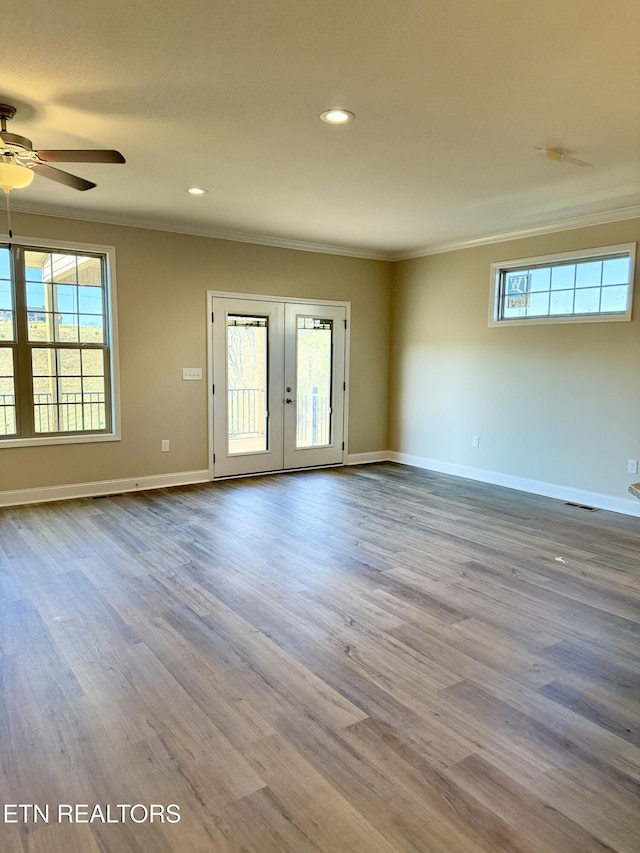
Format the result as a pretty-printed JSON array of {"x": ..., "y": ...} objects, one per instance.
[{"x": 18, "y": 151}]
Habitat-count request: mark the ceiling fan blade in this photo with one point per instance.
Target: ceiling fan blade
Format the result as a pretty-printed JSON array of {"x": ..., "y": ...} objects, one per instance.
[
  {"x": 81, "y": 156},
  {"x": 62, "y": 177}
]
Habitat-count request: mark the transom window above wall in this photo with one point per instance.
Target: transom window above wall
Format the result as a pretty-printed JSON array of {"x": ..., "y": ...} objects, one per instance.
[
  {"x": 587, "y": 286},
  {"x": 57, "y": 345}
]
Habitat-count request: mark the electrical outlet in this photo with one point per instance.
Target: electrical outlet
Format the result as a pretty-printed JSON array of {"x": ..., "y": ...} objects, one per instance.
[
  {"x": 165, "y": 445},
  {"x": 475, "y": 441},
  {"x": 632, "y": 466}
]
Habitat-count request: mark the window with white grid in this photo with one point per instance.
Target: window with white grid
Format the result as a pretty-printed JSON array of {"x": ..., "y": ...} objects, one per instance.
[
  {"x": 56, "y": 345},
  {"x": 593, "y": 285}
]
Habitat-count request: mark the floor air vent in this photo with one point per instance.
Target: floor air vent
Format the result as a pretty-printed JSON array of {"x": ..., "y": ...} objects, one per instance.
[{"x": 582, "y": 506}]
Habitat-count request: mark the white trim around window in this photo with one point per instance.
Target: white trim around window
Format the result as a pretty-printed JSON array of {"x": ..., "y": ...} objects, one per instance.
[
  {"x": 523, "y": 291},
  {"x": 109, "y": 254}
]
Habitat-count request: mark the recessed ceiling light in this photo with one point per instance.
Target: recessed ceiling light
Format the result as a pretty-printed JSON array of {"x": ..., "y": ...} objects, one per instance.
[
  {"x": 337, "y": 116},
  {"x": 196, "y": 191}
]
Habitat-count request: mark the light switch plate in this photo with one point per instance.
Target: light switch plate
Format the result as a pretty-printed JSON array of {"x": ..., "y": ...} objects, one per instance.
[{"x": 192, "y": 373}]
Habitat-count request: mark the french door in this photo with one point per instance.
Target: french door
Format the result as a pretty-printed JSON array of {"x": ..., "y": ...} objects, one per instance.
[{"x": 279, "y": 384}]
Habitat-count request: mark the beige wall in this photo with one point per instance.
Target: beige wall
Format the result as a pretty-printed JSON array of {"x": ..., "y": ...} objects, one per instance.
[
  {"x": 554, "y": 403},
  {"x": 162, "y": 279},
  {"x": 559, "y": 404}
]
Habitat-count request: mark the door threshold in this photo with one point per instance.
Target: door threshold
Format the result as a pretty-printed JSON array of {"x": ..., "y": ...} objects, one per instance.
[{"x": 215, "y": 479}]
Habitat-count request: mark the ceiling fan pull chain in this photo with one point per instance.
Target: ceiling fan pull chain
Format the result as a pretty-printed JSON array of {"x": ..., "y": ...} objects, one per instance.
[{"x": 9, "y": 231}]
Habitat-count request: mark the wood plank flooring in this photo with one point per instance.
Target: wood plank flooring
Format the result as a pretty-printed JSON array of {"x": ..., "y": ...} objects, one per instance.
[{"x": 357, "y": 660}]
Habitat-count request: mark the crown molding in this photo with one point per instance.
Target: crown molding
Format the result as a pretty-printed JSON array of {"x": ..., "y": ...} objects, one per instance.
[
  {"x": 518, "y": 233},
  {"x": 212, "y": 232},
  {"x": 202, "y": 231}
]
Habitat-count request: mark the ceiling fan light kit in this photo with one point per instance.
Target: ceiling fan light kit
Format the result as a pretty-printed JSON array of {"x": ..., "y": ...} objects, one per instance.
[
  {"x": 19, "y": 161},
  {"x": 13, "y": 176}
]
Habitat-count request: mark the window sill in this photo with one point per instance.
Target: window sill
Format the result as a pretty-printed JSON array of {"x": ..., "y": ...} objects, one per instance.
[
  {"x": 569, "y": 318},
  {"x": 58, "y": 439}
]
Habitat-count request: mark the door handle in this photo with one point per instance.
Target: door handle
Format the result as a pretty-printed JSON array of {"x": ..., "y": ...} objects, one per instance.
[{"x": 289, "y": 400}]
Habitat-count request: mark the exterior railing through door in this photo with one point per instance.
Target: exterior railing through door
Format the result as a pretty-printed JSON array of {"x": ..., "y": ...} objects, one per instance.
[{"x": 246, "y": 415}]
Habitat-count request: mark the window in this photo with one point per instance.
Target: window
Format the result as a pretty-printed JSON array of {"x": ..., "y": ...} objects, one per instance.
[
  {"x": 56, "y": 345},
  {"x": 594, "y": 285}
]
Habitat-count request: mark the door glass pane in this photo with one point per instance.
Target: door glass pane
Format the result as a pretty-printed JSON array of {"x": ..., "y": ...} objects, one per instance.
[
  {"x": 313, "y": 376},
  {"x": 247, "y": 383}
]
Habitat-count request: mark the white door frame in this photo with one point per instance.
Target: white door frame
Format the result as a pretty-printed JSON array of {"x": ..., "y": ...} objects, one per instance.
[{"x": 211, "y": 294}]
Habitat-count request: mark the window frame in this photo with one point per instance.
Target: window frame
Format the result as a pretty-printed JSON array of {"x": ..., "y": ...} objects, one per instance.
[
  {"x": 112, "y": 395},
  {"x": 556, "y": 259}
]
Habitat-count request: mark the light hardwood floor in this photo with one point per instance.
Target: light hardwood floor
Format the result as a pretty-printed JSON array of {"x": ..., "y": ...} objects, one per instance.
[{"x": 356, "y": 660}]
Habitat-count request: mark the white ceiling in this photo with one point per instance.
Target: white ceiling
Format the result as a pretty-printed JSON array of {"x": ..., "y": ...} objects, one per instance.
[{"x": 450, "y": 97}]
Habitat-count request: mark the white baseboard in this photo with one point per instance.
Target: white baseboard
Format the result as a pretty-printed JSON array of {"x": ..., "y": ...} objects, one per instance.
[
  {"x": 521, "y": 484},
  {"x": 367, "y": 458},
  {"x": 101, "y": 487},
  {"x": 186, "y": 478}
]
